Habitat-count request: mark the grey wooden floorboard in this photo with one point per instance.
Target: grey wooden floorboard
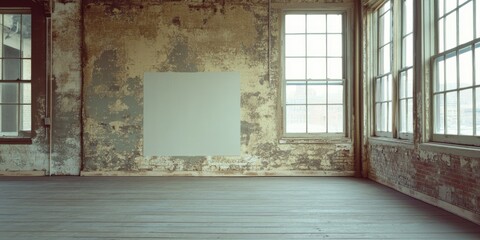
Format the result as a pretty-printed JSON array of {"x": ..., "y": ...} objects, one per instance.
[{"x": 218, "y": 208}]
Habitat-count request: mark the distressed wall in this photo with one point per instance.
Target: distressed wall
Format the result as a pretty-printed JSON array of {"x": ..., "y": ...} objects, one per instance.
[
  {"x": 65, "y": 157},
  {"x": 449, "y": 178},
  {"x": 442, "y": 175},
  {"x": 124, "y": 39}
]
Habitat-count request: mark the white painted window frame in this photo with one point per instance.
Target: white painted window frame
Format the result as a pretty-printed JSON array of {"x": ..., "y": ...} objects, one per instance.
[
  {"x": 446, "y": 137},
  {"x": 348, "y": 11},
  {"x": 397, "y": 68}
]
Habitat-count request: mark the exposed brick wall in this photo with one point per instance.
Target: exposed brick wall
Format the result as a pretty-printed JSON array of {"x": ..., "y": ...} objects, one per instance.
[{"x": 449, "y": 178}]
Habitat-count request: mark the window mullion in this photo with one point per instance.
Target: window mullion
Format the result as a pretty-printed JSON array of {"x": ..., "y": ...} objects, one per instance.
[
  {"x": 306, "y": 73},
  {"x": 474, "y": 93}
]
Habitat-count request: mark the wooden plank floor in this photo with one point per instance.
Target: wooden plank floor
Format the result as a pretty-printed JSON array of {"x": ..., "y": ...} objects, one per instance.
[{"x": 217, "y": 208}]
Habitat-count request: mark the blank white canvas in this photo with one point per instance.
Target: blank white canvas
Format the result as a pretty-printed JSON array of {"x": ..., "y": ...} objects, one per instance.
[{"x": 191, "y": 114}]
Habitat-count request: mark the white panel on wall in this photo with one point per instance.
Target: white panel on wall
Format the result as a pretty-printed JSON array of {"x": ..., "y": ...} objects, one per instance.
[{"x": 191, "y": 114}]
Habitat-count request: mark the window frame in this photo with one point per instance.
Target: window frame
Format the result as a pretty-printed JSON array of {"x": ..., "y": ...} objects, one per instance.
[
  {"x": 346, "y": 71},
  {"x": 397, "y": 68},
  {"x": 38, "y": 65},
  {"x": 473, "y": 44}
]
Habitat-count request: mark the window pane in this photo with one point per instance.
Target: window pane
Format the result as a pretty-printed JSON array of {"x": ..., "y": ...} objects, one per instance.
[
  {"x": 439, "y": 117},
  {"x": 385, "y": 116},
  {"x": 295, "y": 68},
  {"x": 11, "y": 38},
  {"x": 385, "y": 29},
  {"x": 451, "y": 71},
  {"x": 295, "y": 45},
  {"x": 378, "y": 117},
  {"x": 440, "y": 7},
  {"x": 335, "y": 68},
  {"x": 11, "y": 69},
  {"x": 384, "y": 60},
  {"x": 465, "y": 62},
  {"x": 335, "y": 118},
  {"x": 334, "y": 45},
  {"x": 410, "y": 80},
  {"x": 460, "y": 2},
  {"x": 389, "y": 112},
  {"x": 477, "y": 18},
  {"x": 403, "y": 115},
  {"x": 379, "y": 90},
  {"x": 295, "y": 92},
  {"x": 26, "y": 118},
  {"x": 410, "y": 115},
  {"x": 334, "y": 23},
  {"x": 9, "y": 93},
  {"x": 408, "y": 51},
  {"x": 335, "y": 92},
  {"x": 317, "y": 119},
  {"x": 316, "y": 68},
  {"x": 477, "y": 62},
  {"x": 317, "y": 92},
  {"x": 9, "y": 123},
  {"x": 295, "y": 23},
  {"x": 27, "y": 36},
  {"x": 466, "y": 112},
  {"x": 388, "y": 89},
  {"x": 477, "y": 97},
  {"x": 439, "y": 75},
  {"x": 451, "y": 113},
  {"x": 408, "y": 15},
  {"x": 25, "y": 93},
  {"x": 451, "y": 30},
  {"x": 403, "y": 84},
  {"x": 441, "y": 36},
  {"x": 465, "y": 16},
  {"x": 450, "y": 5},
  {"x": 296, "y": 119},
  {"x": 316, "y": 23},
  {"x": 316, "y": 45},
  {"x": 26, "y": 70}
]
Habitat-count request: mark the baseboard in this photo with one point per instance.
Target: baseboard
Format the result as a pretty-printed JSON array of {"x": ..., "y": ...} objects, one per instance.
[
  {"x": 221, "y": 174},
  {"x": 433, "y": 201},
  {"x": 23, "y": 173}
]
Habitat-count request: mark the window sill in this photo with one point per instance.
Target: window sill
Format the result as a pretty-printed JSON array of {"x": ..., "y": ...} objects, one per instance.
[
  {"x": 15, "y": 141},
  {"x": 460, "y": 150},
  {"x": 318, "y": 140},
  {"x": 391, "y": 142}
]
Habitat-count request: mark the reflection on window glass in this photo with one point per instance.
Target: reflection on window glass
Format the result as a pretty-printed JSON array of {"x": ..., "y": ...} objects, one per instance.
[{"x": 314, "y": 73}]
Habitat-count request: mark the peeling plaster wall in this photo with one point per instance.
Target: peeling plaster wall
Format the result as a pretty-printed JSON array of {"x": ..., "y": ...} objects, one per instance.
[
  {"x": 66, "y": 104},
  {"x": 124, "y": 39}
]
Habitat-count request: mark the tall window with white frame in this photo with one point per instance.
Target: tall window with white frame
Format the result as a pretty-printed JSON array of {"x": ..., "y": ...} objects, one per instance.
[
  {"x": 15, "y": 73},
  {"x": 393, "y": 83},
  {"x": 456, "y": 81},
  {"x": 314, "y": 82},
  {"x": 383, "y": 80},
  {"x": 406, "y": 79}
]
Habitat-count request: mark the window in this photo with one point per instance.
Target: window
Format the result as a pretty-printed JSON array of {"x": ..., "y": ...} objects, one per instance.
[
  {"x": 314, "y": 82},
  {"x": 15, "y": 74},
  {"x": 383, "y": 81},
  {"x": 456, "y": 80},
  {"x": 22, "y": 44},
  {"x": 393, "y": 83},
  {"x": 405, "y": 85}
]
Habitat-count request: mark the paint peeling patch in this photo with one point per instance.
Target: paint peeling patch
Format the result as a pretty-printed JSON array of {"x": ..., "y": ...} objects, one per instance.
[{"x": 118, "y": 106}]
